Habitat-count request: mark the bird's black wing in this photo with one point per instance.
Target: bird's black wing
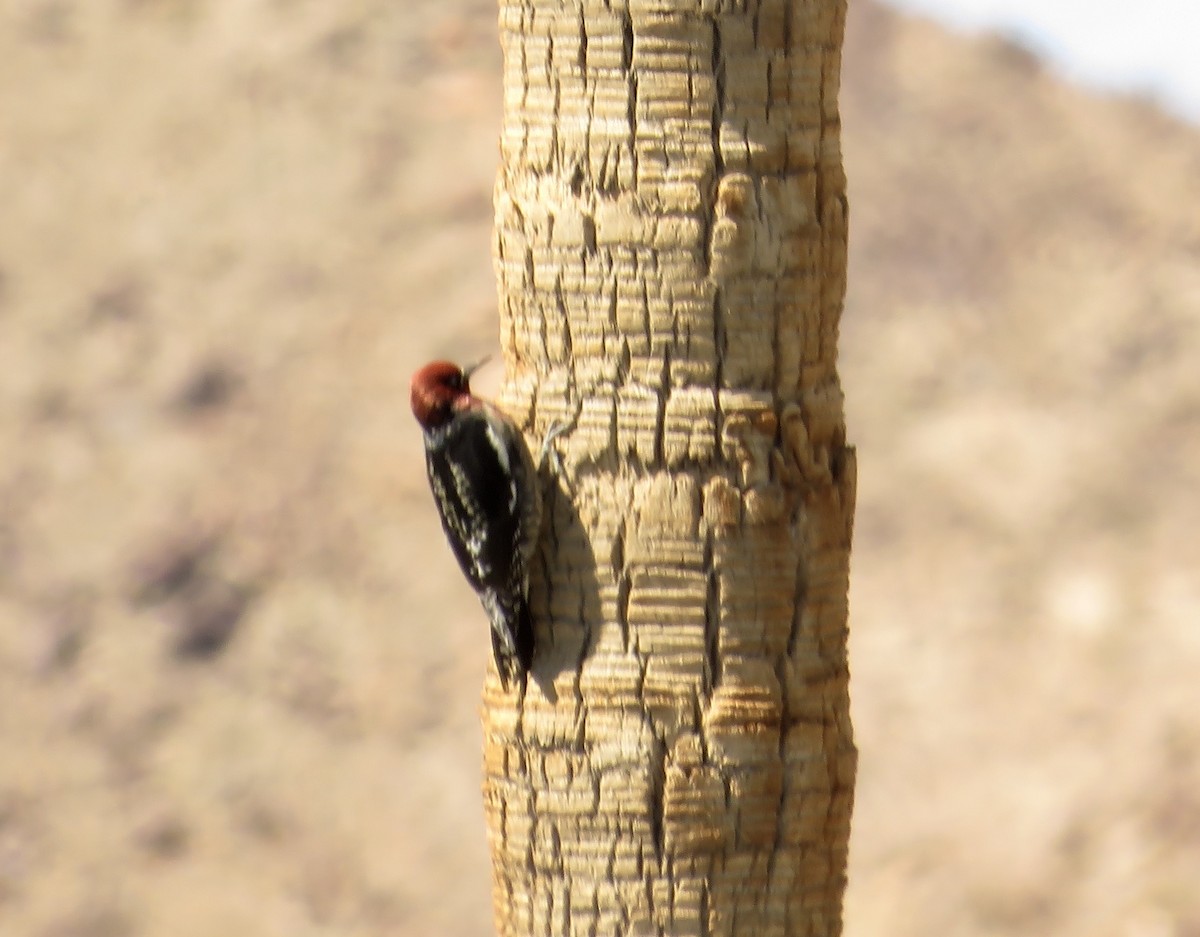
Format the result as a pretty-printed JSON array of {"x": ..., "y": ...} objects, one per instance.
[{"x": 471, "y": 486}]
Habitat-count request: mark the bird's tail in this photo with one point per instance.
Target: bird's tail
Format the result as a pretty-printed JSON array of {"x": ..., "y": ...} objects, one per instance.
[{"x": 514, "y": 651}]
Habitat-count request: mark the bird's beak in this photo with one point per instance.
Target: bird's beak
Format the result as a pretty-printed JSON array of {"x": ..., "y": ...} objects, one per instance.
[{"x": 468, "y": 371}]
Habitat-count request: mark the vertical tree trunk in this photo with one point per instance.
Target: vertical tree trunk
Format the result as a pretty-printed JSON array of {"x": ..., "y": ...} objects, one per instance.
[{"x": 671, "y": 251}]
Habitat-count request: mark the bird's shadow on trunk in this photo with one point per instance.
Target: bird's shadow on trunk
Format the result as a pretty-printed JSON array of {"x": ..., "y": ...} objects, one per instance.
[{"x": 564, "y": 595}]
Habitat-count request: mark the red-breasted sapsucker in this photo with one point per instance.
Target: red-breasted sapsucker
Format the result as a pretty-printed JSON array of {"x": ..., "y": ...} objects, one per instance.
[{"x": 486, "y": 489}]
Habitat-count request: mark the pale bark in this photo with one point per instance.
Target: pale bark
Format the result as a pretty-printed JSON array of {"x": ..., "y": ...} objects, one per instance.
[{"x": 671, "y": 252}]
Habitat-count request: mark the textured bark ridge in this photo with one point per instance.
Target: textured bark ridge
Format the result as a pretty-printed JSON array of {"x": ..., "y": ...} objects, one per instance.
[{"x": 671, "y": 252}]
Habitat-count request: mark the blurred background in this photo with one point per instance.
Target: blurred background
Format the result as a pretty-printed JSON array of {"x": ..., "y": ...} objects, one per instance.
[
  {"x": 239, "y": 673},
  {"x": 1149, "y": 48}
]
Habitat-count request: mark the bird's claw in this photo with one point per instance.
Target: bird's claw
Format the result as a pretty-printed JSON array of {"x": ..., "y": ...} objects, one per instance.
[{"x": 549, "y": 455}]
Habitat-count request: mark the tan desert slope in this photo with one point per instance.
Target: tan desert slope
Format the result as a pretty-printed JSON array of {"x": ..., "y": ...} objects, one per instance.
[{"x": 239, "y": 672}]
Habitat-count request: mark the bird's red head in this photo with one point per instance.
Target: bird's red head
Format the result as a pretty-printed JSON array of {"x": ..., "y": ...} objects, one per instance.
[
  {"x": 441, "y": 389},
  {"x": 434, "y": 391}
]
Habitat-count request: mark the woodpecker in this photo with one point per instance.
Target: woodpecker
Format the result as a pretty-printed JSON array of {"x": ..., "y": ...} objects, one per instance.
[{"x": 486, "y": 489}]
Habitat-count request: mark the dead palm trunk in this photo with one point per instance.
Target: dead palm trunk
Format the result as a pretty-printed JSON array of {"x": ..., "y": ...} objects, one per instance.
[{"x": 671, "y": 251}]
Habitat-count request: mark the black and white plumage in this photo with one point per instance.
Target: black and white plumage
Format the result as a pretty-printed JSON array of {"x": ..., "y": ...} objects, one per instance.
[{"x": 485, "y": 487}]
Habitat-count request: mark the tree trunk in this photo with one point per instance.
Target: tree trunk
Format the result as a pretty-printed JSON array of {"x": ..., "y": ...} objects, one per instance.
[{"x": 671, "y": 252}]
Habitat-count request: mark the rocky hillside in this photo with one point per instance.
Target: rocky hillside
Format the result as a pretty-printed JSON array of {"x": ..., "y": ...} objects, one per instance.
[{"x": 238, "y": 677}]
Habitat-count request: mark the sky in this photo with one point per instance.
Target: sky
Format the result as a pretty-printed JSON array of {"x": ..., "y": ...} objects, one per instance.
[{"x": 1150, "y": 47}]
